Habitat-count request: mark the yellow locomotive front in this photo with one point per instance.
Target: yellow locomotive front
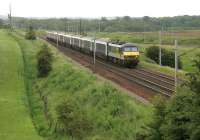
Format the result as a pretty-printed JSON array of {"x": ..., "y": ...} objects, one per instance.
[{"x": 131, "y": 54}]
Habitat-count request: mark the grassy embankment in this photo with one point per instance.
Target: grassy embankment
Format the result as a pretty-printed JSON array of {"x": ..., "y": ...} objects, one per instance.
[
  {"x": 110, "y": 113},
  {"x": 15, "y": 119}
]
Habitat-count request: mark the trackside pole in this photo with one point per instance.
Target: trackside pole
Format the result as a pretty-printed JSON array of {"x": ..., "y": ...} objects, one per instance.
[
  {"x": 10, "y": 16},
  {"x": 160, "y": 51},
  {"x": 176, "y": 66},
  {"x": 57, "y": 39},
  {"x": 94, "y": 51},
  {"x": 100, "y": 25}
]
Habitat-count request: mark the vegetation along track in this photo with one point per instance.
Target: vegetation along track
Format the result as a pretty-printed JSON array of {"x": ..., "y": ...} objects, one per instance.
[{"x": 143, "y": 82}]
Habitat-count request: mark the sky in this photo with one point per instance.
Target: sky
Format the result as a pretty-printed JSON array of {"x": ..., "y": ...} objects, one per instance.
[{"x": 100, "y": 8}]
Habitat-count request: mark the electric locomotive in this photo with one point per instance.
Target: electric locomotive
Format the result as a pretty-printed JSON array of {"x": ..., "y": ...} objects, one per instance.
[{"x": 126, "y": 54}]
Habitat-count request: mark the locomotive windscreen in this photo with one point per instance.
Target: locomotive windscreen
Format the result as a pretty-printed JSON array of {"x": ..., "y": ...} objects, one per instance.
[{"x": 130, "y": 49}]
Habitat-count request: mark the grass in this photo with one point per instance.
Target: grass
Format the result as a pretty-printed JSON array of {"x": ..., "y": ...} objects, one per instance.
[
  {"x": 15, "y": 119},
  {"x": 30, "y": 49},
  {"x": 188, "y": 54},
  {"x": 185, "y": 37},
  {"x": 111, "y": 113},
  {"x": 98, "y": 99}
]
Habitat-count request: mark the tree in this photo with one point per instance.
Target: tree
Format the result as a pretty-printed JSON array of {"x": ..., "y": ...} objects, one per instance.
[
  {"x": 1, "y": 22},
  {"x": 158, "y": 118},
  {"x": 168, "y": 57},
  {"x": 194, "y": 84},
  {"x": 132, "y": 24},
  {"x": 195, "y": 77},
  {"x": 180, "y": 118},
  {"x": 30, "y": 34},
  {"x": 44, "y": 61},
  {"x": 72, "y": 120}
]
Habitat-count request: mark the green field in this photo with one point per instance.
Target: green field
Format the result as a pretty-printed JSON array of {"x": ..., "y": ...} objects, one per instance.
[
  {"x": 15, "y": 119},
  {"x": 185, "y": 37}
]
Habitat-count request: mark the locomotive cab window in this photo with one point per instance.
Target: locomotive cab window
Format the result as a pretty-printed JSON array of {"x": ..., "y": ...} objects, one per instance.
[{"x": 130, "y": 49}]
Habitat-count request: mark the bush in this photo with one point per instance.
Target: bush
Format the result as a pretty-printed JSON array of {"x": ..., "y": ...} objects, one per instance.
[
  {"x": 168, "y": 57},
  {"x": 194, "y": 77},
  {"x": 173, "y": 120},
  {"x": 178, "y": 119},
  {"x": 1, "y": 23},
  {"x": 72, "y": 120},
  {"x": 30, "y": 35},
  {"x": 194, "y": 84},
  {"x": 158, "y": 118},
  {"x": 44, "y": 61}
]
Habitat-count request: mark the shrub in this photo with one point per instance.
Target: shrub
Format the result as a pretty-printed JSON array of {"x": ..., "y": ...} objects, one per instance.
[
  {"x": 158, "y": 118},
  {"x": 30, "y": 35},
  {"x": 1, "y": 23},
  {"x": 194, "y": 77},
  {"x": 178, "y": 119},
  {"x": 72, "y": 120},
  {"x": 168, "y": 57},
  {"x": 194, "y": 84},
  {"x": 152, "y": 53},
  {"x": 44, "y": 61}
]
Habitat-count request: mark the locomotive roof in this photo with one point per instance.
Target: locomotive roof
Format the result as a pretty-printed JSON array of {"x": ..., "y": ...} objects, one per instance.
[
  {"x": 123, "y": 45},
  {"x": 128, "y": 45}
]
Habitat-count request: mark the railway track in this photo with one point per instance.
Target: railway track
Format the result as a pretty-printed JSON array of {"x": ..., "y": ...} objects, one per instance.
[
  {"x": 158, "y": 83},
  {"x": 139, "y": 79},
  {"x": 154, "y": 78},
  {"x": 163, "y": 76}
]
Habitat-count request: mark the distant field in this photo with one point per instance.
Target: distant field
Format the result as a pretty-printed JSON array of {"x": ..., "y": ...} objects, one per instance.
[
  {"x": 187, "y": 37},
  {"x": 15, "y": 119}
]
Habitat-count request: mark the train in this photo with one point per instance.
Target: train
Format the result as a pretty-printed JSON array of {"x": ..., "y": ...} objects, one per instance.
[{"x": 124, "y": 54}]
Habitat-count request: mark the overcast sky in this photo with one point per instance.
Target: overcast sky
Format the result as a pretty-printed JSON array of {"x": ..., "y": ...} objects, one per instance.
[{"x": 99, "y": 8}]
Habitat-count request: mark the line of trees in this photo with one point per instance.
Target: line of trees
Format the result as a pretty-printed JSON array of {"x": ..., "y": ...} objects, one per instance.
[{"x": 122, "y": 24}]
